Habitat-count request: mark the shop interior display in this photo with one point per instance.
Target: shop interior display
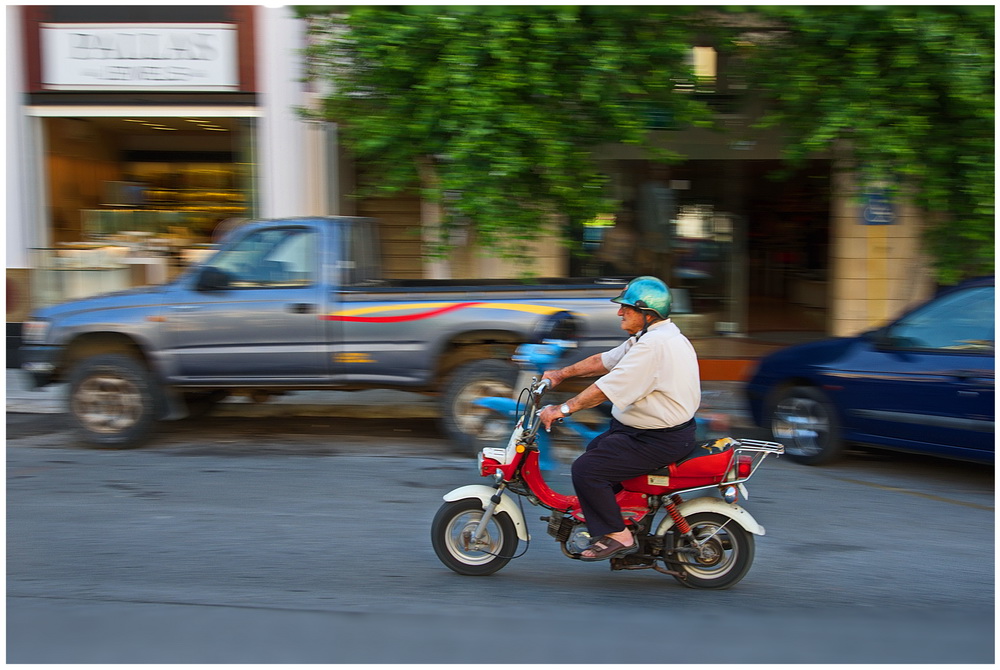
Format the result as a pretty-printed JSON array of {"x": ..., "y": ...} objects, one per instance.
[
  {"x": 164, "y": 198},
  {"x": 148, "y": 226}
]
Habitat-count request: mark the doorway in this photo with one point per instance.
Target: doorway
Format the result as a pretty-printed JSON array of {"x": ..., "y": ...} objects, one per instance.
[
  {"x": 788, "y": 250},
  {"x": 744, "y": 244}
]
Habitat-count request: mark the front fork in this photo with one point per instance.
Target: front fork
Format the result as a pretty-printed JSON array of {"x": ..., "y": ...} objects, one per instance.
[
  {"x": 488, "y": 514},
  {"x": 493, "y": 503}
]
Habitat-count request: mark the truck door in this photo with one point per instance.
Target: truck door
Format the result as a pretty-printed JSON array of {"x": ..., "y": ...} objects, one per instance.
[{"x": 253, "y": 312}]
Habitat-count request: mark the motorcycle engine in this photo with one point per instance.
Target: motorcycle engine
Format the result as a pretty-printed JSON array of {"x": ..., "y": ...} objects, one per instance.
[{"x": 579, "y": 539}]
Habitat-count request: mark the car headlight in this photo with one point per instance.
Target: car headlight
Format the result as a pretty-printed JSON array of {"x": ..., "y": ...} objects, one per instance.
[{"x": 34, "y": 332}]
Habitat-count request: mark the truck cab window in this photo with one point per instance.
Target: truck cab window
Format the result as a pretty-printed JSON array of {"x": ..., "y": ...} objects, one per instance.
[
  {"x": 275, "y": 258},
  {"x": 363, "y": 268}
]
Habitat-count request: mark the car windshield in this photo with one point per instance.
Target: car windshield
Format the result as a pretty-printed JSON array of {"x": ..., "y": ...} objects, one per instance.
[{"x": 960, "y": 321}]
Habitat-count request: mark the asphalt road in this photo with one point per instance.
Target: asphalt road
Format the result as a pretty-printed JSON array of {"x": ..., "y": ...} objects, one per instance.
[{"x": 307, "y": 541}]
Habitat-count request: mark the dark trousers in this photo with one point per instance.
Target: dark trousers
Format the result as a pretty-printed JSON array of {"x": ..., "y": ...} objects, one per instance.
[{"x": 621, "y": 453}]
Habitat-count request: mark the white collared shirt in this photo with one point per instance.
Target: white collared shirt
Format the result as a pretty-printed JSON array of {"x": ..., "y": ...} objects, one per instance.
[{"x": 653, "y": 382}]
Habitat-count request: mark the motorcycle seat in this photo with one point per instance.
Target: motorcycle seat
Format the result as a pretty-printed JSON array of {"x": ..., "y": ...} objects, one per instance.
[{"x": 710, "y": 448}]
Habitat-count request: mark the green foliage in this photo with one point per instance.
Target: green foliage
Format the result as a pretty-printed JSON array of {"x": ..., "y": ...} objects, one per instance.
[
  {"x": 503, "y": 105},
  {"x": 909, "y": 91}
]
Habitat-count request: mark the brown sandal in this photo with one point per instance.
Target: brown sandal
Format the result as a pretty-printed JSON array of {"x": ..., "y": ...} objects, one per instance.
[{"x": 605, "y": 548}]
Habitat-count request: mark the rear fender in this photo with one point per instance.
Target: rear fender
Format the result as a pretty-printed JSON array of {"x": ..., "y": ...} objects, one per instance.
[
  {"x": 484, "y": 493},
  {"x": 695, "y": 505}
]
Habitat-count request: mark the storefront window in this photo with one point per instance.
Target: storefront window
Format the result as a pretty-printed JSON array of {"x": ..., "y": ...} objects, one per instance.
[
  {"x": 737, "y": 241},
  {"x": 702, "y": 255},
  {"x": 164, "y": 187},
  {"x": 109, "y": 175}
]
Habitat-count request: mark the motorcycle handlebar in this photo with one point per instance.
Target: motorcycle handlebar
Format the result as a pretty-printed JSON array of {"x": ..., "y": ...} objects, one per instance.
[
  {"x": 541, "y": 387},
  {"x": 533, "y": 409}
]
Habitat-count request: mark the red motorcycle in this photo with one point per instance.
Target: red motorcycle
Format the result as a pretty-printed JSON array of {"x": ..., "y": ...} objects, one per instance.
[{"x": 705, "y": 542}]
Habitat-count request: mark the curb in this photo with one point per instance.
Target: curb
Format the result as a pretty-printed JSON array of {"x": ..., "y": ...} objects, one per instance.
[{"x": 735, "y": 370}]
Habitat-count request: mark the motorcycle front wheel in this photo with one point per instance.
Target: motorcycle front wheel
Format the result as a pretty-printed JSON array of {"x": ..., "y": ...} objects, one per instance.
[
  {"x": 727, "y": 551},
  {"x": 453, "y": 529}
]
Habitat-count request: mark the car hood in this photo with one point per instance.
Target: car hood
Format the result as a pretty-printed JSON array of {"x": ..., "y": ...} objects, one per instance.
[{"x": 136, "y": 297}]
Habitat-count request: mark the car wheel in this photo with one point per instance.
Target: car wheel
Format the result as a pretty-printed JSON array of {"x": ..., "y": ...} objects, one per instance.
[
  {"x": 112, "y": 401},
  {"x": 804, "y": 420}
]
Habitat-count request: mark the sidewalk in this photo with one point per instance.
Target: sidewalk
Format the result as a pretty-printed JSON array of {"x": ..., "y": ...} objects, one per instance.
[
  {"x": 721, "y": 400},
  {"x": 372, "y": 404}
]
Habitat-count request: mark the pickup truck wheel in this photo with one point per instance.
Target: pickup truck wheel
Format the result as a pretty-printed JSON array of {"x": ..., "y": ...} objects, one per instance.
[
  {"x": 112, "y": 401},
  {"x": 468, "y": 426}
]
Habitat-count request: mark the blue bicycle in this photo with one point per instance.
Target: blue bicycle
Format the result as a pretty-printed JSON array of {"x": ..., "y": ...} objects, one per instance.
[{"x": 537, "y": 358}]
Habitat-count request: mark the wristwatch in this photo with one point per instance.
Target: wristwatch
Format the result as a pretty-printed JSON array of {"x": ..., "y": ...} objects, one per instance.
[{"x": 564, "y": 408}]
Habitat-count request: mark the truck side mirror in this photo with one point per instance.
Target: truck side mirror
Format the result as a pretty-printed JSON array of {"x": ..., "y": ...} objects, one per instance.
[{"x": 212, "y": 279}]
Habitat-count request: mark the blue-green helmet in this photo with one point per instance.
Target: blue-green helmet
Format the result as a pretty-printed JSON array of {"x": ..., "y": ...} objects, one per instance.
[{"x": 646, "y": 293}]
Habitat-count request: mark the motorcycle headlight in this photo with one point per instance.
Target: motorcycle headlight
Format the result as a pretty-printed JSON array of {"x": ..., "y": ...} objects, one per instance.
[{"x": 34, "y": 332}]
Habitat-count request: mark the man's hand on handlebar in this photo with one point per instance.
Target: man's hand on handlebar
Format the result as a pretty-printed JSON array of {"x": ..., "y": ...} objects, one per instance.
[
  {"x": 554, "y": 377},
  {"x": 548, "y": 415},
  {"x": 592, "y": 396}
]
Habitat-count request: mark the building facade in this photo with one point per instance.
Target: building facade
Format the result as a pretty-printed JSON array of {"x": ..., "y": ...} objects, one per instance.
[{"x": 137, "y": 135}]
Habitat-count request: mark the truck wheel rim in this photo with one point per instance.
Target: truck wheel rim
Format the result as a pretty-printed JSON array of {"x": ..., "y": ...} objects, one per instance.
[
  {"x": 107, "y": 403},
  {"x": 473, "y": 419}
]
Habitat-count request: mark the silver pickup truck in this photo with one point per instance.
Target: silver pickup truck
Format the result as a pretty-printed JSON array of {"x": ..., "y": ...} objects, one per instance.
[{"x": 296, "y": 304}]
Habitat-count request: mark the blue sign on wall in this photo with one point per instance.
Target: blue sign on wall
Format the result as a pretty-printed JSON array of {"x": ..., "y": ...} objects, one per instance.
[{"x": 878, "y": 209}]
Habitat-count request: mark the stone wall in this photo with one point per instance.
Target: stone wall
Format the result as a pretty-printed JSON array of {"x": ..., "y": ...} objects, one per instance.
[{"x": 876, "y": 270}]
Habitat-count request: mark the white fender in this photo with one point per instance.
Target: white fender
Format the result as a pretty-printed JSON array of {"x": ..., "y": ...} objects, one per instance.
[
  {"x": 706, "y": 504},
  {"x": 484, "y": 493}
]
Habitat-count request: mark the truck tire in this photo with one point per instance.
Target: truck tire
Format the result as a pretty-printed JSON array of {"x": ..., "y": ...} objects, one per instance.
[
  {"x": 112, "y": 401},
  {"x": 465, "y": 423}
]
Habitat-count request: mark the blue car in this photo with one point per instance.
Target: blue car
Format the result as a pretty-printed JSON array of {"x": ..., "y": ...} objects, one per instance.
[{"x": 922, "y": 384}]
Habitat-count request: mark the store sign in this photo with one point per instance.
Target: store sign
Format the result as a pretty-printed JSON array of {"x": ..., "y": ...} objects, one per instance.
[
  {"x": 128, "y": 57},
  {"x": 878, "y": 209}
]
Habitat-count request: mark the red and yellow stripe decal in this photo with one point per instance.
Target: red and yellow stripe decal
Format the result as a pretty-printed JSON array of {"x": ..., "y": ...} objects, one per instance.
[{"x": 429, "y": 310}]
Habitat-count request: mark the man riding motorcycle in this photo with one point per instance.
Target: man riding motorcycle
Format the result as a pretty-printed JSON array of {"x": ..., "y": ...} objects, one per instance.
[{"x": 653, "y": 381}]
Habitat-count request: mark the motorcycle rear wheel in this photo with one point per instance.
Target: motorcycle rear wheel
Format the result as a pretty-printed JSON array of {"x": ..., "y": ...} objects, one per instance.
[
  {"x": 451, "y": 534},
  {"x": 727, "y": 556}
]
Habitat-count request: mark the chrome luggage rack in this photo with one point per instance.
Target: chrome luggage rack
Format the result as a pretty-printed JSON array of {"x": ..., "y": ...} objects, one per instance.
[{"x": 758, "y": 451}]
